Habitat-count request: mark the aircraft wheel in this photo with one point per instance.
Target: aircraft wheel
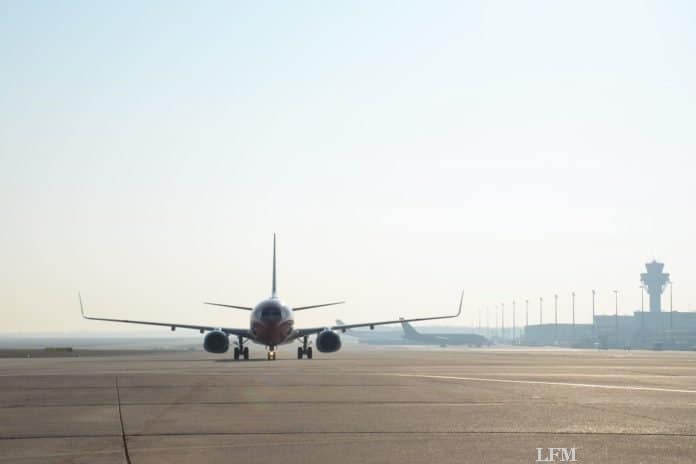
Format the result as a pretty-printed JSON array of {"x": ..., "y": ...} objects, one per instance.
[
  {"x": 299, "y": 352},
  {"x": 268, "y": 355},
  {"x": 246, "y": 352},
  {"x": 236, "y": 354},
  {"x": 309, "y": 353}
]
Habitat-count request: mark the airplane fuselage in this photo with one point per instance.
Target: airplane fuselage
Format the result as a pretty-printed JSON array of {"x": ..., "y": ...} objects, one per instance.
[{"x": 272, "y": 323}]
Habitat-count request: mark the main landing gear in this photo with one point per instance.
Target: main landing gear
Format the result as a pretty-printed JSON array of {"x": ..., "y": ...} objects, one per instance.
[
  {"x": 241, "y": 350},
  {"x": 304, "y": 350}
]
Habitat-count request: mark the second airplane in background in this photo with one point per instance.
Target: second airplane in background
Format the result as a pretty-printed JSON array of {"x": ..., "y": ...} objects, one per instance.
[
  {"x": 410, "y": 336},
  {"x": 443, "y": 339},
  {"x": 271, "y": 323}
]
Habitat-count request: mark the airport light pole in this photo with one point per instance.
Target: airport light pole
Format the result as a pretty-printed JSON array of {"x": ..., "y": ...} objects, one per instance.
[
  {"x": 616, "y": 318},
  {"x": 573, "y": 294},
  {"x": 526, "y": 313},
  {"x": 594, "y": 327},
  {"x": 502, "y": 320},
  {"x": 555, "y": 317},
  {"x": 488, "y": 322},
  {"x": 513, "y": 322},
  {"x": 541, "y": 312},
  {"x": 497, "y": 326}
]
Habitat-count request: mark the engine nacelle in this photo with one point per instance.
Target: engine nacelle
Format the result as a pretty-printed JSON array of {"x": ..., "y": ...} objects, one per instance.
[
  {"x": 216, "y": 342},
  {"x": 328, "y": 342}
]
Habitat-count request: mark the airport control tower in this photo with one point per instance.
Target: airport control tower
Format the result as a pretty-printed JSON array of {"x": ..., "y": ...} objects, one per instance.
[{"x": 655, "y": 281}]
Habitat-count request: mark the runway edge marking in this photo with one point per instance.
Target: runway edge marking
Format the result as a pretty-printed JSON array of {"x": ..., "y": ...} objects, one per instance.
[{"x": 541, "y": 382}]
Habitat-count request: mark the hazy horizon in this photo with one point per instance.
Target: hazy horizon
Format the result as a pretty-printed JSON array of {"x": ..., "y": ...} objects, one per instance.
[{"x": 401, "y": 151}]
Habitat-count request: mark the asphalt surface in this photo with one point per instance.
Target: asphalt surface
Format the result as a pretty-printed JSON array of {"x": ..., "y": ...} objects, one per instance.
[{"x": 357, "y": 406}]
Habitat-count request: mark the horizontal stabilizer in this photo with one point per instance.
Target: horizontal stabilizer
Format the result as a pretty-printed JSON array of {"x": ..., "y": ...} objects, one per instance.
[
  {"x": 245, "y": 308},
  {"x": 300, "y": 308}
]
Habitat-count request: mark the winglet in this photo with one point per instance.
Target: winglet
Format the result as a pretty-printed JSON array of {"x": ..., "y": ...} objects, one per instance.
[
  {"x": 82, "y": 308},
  {"x": 461, "y": 301}
]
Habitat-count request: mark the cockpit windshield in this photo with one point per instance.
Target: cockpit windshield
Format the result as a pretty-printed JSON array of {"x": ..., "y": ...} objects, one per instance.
[{"x": 270, "y": 313}]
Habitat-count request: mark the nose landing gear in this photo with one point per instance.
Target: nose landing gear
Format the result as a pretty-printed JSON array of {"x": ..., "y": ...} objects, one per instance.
[
  {"x": 271, "y": 354},
  {"x": 304, "y": 350}
]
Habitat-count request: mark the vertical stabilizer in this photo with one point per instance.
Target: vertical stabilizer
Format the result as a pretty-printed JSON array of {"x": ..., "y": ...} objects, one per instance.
[
  {"x": 273, "y": 292},
  {"x": 409, "y": 331}
]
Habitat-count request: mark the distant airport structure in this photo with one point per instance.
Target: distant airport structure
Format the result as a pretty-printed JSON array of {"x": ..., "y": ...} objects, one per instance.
[
  {"x": 654, "y": 281},
  {"x": 653, "y": 329}
]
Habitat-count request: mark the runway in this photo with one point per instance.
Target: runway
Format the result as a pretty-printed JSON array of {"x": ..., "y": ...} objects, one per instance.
[{"x": 373, "y": 405}]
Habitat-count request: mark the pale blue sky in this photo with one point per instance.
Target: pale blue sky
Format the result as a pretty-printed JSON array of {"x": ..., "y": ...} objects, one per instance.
[{"x": 401, "y": 150}]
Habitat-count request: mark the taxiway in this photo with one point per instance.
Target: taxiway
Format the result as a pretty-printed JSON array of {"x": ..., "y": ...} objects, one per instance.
[{"x": 361, "y": 405}]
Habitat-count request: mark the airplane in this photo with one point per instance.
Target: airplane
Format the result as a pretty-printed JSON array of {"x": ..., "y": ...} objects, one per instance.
[
  {"x": 442, "y": 339},
  {"x": 271, "y": 323}
]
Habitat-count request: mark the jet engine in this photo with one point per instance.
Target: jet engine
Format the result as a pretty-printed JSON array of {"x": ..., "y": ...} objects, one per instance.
[
  {"x": 216, "y": 341},
  {"x": 328, "y": 342}
]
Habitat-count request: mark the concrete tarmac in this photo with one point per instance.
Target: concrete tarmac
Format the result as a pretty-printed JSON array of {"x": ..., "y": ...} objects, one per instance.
[{"x": 361, "y": 405}]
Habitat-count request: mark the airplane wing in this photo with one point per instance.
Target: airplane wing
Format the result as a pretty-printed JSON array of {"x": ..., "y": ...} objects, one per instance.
[
  {"x": 202, "y": 328},
  {"x": 371, "y": 325}
]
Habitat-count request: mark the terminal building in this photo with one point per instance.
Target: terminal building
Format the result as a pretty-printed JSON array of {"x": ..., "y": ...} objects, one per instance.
[{"x": 652, "y": 329}]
